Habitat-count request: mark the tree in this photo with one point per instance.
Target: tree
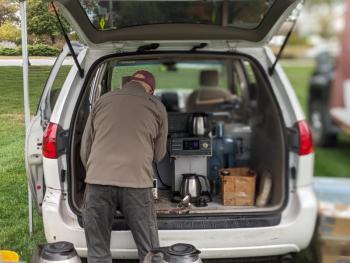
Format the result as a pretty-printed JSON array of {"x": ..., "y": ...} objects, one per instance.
[
  {"x": 10, "y": 32},
  {"x": 42, "y": 21},
  {"x": 324, "y": 10},
  {"x": 317, "y": 2},
  {"x": 8, "y": 11}
]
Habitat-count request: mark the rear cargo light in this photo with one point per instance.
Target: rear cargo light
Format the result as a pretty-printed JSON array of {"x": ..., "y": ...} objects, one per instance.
[
  {"x": 305, "y": 138},
  {"x": 50, "y": 141}
]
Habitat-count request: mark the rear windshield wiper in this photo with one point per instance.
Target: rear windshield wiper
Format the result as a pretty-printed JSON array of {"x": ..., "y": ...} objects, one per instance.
[
  {"x": 148, "y": 47},
  {"x": 81, "y": 71},
  {"x": 199, "y": 46}
]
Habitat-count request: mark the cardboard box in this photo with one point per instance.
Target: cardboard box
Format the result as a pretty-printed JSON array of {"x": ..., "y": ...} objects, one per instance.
[
  {"x": 334, "y": 251},
  {"x": 334, "y": 232},
  {"x": 238, "y": 186}
]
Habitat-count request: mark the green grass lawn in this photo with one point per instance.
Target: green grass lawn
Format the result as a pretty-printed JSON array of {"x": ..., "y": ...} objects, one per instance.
[{"x": 13, "y": 187}]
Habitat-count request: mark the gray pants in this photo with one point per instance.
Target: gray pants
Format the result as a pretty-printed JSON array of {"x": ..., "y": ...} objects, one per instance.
[{"x": 137, "y": 206}]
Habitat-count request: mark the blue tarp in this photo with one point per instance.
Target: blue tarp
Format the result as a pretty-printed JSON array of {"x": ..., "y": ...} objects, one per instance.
[{"x": 332, "y": 190}]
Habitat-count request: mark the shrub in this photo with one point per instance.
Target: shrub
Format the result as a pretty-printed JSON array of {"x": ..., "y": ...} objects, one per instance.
[
  {"x": 42, "y": 50},
  {"x": 10, "y": 32},
  {"x": 33, "y": 50},
  {"x": 6, "y": 51}
]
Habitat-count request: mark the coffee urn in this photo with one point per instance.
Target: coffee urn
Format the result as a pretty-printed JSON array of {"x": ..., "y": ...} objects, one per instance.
[
  {"x": 177, "y": 253},
  {"x": 59, "y": 252}
]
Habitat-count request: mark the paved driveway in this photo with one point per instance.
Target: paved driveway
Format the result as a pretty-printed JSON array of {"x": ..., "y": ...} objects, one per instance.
[{"x": 33, "y": 61}]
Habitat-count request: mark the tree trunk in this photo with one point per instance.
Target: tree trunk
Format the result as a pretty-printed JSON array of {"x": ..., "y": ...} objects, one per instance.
[{"x": 53, "y": 39}]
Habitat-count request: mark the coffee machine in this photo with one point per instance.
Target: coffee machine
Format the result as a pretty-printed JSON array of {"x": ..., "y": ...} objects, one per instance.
[{"x": 189, "y": 149}]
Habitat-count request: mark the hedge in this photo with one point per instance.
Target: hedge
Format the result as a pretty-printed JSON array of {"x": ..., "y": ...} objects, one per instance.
[{"x": 33, "y": 50}]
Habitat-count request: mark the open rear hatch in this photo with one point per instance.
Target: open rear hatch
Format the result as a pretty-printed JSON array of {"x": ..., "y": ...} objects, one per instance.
[{"x": 240, "y": 22}]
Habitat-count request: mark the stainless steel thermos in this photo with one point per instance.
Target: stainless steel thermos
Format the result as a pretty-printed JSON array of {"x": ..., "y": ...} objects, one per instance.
[
  {"x": 178, "y": 253},
  {"x": 59, "y": 252},
  {"x": 199, "y": 124},
  {"x": 191, "y": 185}
]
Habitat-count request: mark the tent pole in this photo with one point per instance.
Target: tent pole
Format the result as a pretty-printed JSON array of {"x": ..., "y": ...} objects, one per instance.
[{"x": 23, "y": 6}]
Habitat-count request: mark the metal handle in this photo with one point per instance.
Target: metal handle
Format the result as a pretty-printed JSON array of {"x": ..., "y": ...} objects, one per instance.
[{"x": 206, "y": 182}]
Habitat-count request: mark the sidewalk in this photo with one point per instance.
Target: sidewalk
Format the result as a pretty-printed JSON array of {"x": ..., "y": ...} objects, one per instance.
[{"x": 34, "y": 61}]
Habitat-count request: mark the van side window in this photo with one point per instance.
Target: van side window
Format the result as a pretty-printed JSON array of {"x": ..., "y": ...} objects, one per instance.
[
  {"x": 117, "y": 78},
  {"x": 98, "y": 84},
  {"x": 59, "y": 81},
  {"x": 251, "y": 80},
  {"x": 237, "y": 84}
]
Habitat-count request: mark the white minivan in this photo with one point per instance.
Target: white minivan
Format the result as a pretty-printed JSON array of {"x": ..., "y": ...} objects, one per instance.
[{"x": 209, "y": 57}]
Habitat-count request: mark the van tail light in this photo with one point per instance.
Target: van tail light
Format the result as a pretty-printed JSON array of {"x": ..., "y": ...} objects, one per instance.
[
  {"x": 50, "y": 141},
  {"x": 305, "y": 138}
]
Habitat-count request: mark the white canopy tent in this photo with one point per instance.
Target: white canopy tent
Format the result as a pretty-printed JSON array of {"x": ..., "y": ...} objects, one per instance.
[{"x": 23, "y": 12}]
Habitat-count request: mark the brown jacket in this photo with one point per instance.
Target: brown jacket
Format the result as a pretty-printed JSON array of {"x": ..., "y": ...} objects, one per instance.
[{"x": 125, "y": 132}]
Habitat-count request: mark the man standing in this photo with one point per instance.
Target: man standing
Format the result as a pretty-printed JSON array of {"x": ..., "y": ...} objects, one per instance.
[{"x": 125, "y": 132}]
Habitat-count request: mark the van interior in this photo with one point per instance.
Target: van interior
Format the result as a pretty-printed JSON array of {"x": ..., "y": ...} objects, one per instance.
[{"x": 226, "y": 133}]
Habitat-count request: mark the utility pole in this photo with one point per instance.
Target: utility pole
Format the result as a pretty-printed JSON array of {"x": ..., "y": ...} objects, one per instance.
[{"x": 25, "y": 66}]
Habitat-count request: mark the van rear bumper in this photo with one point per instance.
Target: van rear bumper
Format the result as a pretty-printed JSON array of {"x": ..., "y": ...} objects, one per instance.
[
  {"x": 207, "y": 222},
  {"x": 292, "y": 234}
]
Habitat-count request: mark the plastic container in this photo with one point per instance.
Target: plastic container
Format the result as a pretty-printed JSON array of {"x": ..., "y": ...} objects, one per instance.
[{"x": 8, "y": 256}]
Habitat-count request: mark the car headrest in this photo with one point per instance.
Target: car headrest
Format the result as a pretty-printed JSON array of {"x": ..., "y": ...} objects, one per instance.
[
  {"x": 170, "y": 101},
  {"x": 209, "y": 78}
]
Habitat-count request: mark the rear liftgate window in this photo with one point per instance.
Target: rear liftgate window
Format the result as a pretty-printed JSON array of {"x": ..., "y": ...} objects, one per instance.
[{"x": 108, "y": 14}]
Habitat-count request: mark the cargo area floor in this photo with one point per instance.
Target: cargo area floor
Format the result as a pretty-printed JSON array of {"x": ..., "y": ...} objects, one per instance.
[{"x": 165, "y": 206}]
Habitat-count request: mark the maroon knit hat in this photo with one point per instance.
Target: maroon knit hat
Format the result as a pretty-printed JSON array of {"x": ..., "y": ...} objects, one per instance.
[{"x": 147, "y": 77}]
